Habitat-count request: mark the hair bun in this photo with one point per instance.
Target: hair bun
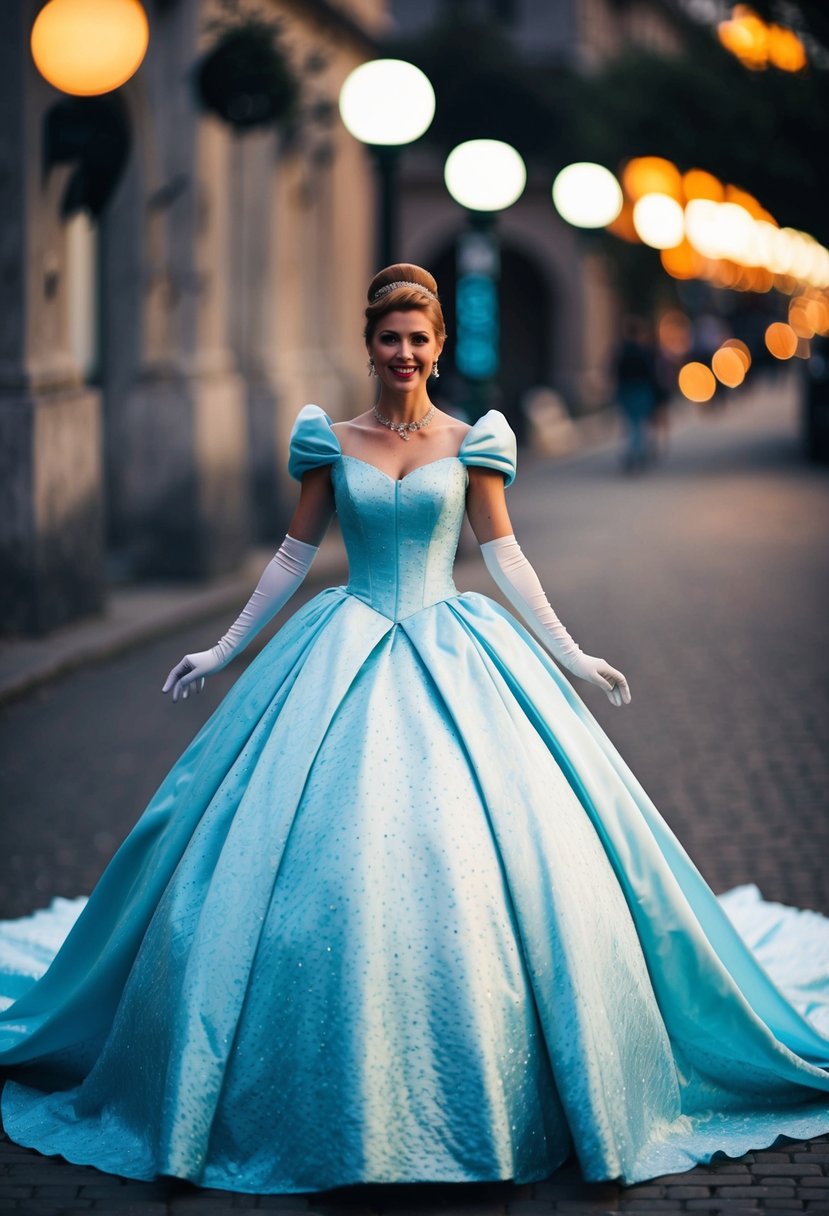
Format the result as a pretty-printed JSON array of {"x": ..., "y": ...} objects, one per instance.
[
  {"x": 402, "y": 274},
  {"x": 404, "y": 287}
]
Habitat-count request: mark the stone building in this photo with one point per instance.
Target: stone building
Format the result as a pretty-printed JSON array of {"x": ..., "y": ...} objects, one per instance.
[{"x": 153, "y": 355}]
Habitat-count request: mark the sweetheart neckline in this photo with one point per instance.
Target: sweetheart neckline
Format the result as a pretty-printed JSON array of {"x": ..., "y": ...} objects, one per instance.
[{"x": 398, "y": 480}]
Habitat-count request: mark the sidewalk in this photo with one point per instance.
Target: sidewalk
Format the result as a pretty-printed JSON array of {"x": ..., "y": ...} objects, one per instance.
[{"x": 137, "y": 614}]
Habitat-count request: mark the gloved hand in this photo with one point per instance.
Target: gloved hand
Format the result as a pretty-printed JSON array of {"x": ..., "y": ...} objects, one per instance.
[
  {"x": 280, "y": 579},
  {"x": 519, "y": 582}
]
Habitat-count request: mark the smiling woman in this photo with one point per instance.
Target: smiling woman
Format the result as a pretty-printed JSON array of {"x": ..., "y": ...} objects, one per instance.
[{"x": 400, "y": 912}]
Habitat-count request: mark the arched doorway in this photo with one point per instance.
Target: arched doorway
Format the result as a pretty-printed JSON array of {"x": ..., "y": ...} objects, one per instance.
[{"x": 526, "y": 327}]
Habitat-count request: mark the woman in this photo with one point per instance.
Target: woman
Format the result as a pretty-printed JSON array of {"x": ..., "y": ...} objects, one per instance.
[{"x": 400, "y": 912}]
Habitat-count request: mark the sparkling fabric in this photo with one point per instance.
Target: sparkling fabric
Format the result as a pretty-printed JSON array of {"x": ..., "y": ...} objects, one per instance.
[{"x": 400, "y": 912}]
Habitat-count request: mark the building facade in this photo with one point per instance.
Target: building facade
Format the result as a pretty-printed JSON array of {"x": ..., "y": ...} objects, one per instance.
[{"x": 156, "y": 348}]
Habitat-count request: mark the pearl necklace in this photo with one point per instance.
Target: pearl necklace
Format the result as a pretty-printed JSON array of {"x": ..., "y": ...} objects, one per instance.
[{"x": 403, "y": 428}]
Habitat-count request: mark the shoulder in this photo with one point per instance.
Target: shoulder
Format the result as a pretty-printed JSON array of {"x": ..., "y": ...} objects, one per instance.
[
  {"x": 455, "y": 426},
  {"x": 490, "y": 443},
  {"x": 313, "y": 442},
  {"x": 362, "y": 422}
]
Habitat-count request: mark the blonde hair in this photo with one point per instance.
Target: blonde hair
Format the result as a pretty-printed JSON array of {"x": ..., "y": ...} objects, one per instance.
[{"x": 407, "y": 287}]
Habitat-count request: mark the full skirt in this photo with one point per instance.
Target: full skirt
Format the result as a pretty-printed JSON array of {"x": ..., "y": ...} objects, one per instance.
[{"x": 402, "y": 913}]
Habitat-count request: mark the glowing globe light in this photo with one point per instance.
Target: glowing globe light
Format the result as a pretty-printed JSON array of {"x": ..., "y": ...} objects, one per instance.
[
  {"x": 810, "y": 260},
  {"x": 765, "y": 236},
  {"x": 651, "y": 175},
  {"x": 485, "y": 175},
  {"x": 587, "y": 195},
  {"x": 781, "y": 340},
  {"x": 736, "y": 234},
  {"x": 822, "y": 268},
  {"x": 799, "y": 254},
  {"x": 87, "y": 47},
  {"x": 387, "y": 102},
  {"x": 696, "y": 382},
  {"x": 745, "y": 200},
  {"x": 781, "y": 251},
  {"x": 659, "y": 221},
  {"x": 702, "y": 227},
  {"x": 728, "y": 367}
]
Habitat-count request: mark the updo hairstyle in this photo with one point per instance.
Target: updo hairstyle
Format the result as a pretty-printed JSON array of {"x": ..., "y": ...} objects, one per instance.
[{"x": 405, "y": 298}]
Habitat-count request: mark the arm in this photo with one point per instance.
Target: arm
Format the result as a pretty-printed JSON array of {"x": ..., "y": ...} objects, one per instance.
[
  {"x": 280, "y": 579},
  {"x": 515, "y": 577}
]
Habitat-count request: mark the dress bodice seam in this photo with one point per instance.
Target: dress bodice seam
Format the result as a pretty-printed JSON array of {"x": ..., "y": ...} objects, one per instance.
[{"x": 398, "y": 480}]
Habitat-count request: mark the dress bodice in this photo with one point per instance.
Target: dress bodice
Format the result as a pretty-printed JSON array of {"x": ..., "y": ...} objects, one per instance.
[{"x": 401, "y": 535}]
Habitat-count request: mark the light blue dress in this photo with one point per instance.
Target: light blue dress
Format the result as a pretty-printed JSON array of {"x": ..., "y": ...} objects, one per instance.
[{"x": 401, "y": 913}]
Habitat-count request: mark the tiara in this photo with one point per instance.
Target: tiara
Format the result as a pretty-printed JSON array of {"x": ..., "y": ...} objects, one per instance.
[{"x": 391, "y": 287}]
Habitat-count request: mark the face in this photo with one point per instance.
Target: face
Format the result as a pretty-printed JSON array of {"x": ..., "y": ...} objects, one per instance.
[{"x": 404, "y": 347}]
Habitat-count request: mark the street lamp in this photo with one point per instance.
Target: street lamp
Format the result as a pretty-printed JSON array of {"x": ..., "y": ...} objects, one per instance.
[
  {"x": 485, "y": 176},
  {"x": 386, "y": 104},
  {"x": 89, "y": 47},
  {"x": 587, "y": 195}
]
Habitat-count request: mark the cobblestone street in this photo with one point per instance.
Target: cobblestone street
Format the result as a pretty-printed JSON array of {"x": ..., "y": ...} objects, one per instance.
[{"x": 705, "y": 580}]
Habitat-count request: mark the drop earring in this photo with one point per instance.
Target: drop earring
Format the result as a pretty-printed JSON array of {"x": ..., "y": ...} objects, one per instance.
[
  {"x": 372, "y": 370},
  {"x": 435, "y": 371}
]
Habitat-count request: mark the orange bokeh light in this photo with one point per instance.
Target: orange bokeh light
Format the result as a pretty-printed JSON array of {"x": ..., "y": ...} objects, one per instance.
[
  {"x": 623, "y": 226},
  {"x": 747, "y": 201},
  {"x": 696, "y": 382},
  {"x": 757, "y": 44},
  {"x": 740, "y": 349},
  {"x": 809, "y": 315},
  {"x": 785, "y": 50},
  {"x": 89, "y": 47},
  {"x": 800, "y": 317},
  {"x": 682, "y": 262},
  {"x": 745, "y": 36},
  {"x": 763, "y": 279},
  {"x": 651, "y": 175},
  {"x": 781, "y": 340},
  {"x": 725, "y": 273},
  {"x": 728, "y": 367},
  {"x": 675, "y": 332},
  {"x": 697, "y": 183}
]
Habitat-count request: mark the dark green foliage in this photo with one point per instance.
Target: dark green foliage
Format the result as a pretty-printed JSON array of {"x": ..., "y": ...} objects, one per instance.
[{"x": 246, "y": 78}]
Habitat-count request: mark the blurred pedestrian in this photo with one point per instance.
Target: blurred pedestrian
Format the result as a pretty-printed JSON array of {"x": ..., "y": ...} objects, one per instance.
[
  {"x": 637, "y": 390},
  {"x": 659, "y": 419}
]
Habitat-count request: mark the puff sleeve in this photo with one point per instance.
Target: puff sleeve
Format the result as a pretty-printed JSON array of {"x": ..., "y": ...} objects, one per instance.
[
  {"x": 312, "y": 442},
  {"x": 491, "y": 443}
]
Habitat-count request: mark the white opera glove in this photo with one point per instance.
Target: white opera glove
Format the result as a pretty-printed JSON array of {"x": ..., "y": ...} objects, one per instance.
[
  {"x": 280, "y": 579},
  {"x": 519, "y": 582}
]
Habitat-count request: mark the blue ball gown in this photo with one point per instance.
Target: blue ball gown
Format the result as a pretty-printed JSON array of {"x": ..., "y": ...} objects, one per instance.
[{"x": 400, "y": 913}]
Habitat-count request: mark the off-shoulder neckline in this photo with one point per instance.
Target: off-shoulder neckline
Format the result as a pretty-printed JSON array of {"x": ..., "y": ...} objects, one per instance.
[
  {"x": 341, "y": 455},
  {"x": 425, "y": 465}
]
